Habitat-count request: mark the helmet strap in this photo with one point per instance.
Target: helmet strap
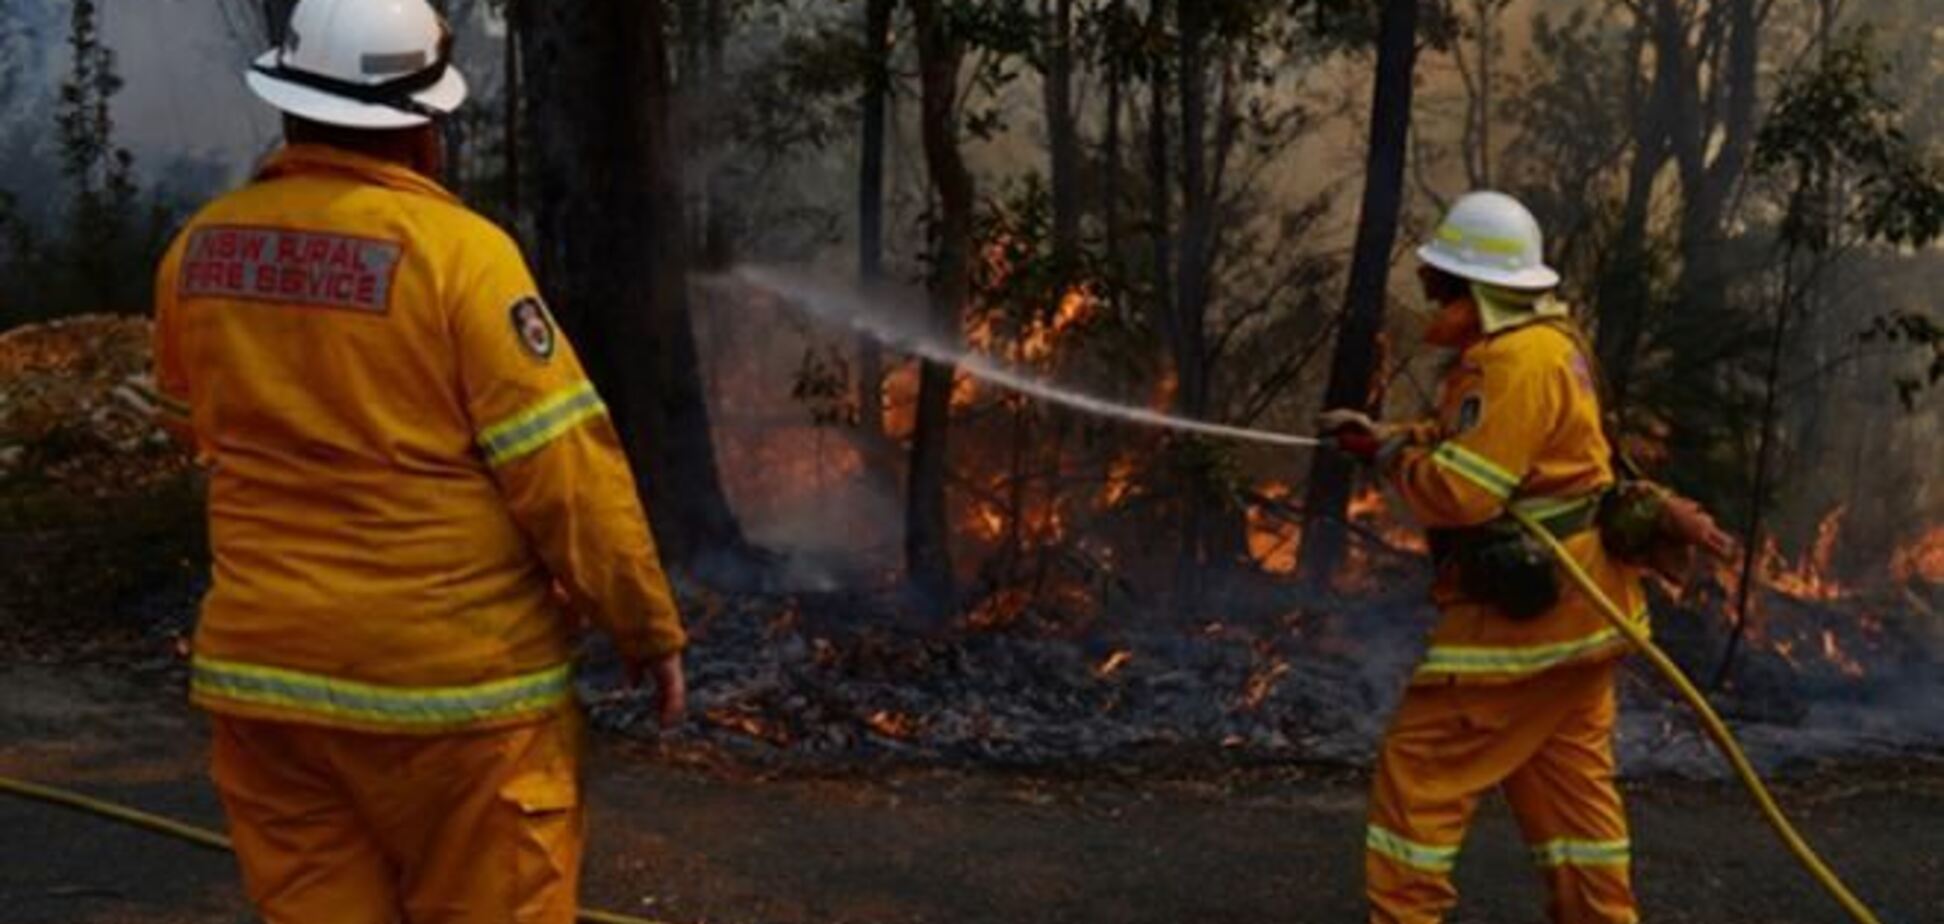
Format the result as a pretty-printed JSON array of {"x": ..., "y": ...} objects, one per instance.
[{"x": 396, "y": 93}]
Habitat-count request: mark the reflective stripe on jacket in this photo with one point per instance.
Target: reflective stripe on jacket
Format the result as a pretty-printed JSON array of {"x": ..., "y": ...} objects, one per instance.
[
  {"x": 406, "y": 459},
  {"x": 1518, "y": 423}
]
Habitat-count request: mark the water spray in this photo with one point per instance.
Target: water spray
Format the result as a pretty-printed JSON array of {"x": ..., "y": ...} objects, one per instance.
[{"x": 845, "y": 306}]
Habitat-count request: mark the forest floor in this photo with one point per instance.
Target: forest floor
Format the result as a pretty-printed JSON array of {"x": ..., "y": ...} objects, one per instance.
[{"x": 688, "y": 841}]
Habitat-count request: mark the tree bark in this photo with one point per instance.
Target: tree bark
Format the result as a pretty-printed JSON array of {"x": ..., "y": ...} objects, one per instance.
[
  {"x": 875, "y": 105},
  {"x": 1063, "y": 133},
  {"x": 1623, "y": 294},
  {"x": 1192, "y": 288},
  {"x": 611, "y": 246},
  {"x": 1355, "y": 370},
  {"x": 276, "y": 19},
  {"x": 928, "y": 557},
  {"x": 1111, "y": 153}
]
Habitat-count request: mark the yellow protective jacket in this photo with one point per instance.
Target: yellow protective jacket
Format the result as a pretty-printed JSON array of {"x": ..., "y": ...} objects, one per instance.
[
  {"x": 1518, "y": 424},
  {"x": 406, "y": 460}
]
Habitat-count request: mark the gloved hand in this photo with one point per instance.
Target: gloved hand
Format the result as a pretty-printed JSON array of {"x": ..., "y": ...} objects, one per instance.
[
  {"x": 1685, "y": 519},
  {"x": 1355, "y": 434}
]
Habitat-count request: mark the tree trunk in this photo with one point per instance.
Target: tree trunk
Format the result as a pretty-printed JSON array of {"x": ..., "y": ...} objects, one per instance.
[
  {"x": 1355, "y": 370},
  {"x": 1063, "y": 133},
  {"x": 874, "y": 104},
  {"x": 1623, "y": 295},
  {"x": 1111, "y": 154},
  {"x": 1192, "y": 288},
  {"x": 1160, "y": 185},
  {"x": 928, "y": 557},
  {"x": 276, "y": 19},
  {"x": 719, "y": 224},
  {"x": 608, "y": 213}
]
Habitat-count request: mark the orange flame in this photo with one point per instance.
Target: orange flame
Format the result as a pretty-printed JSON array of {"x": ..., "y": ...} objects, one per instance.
[
  {"x": 892, "y": 724},
  {"x": 1114, "y": 663},
  {"x": 1273, "y": 539},
  {"x": 1810, "y": 578},
  {"x": 1922, "y": 560}
]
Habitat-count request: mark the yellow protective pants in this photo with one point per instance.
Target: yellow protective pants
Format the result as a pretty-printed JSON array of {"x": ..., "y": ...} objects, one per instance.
[
  {"x": 340, "y": 827},
  {"x": 1548, "y": 742}
]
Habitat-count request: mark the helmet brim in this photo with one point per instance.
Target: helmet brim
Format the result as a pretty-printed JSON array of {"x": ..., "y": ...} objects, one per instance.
[
  {"x": 331, "y": 109},
  {"x": 1533, "y": 278}
]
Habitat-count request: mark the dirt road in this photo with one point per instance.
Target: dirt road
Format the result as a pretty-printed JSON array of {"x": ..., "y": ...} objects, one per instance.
[{"x": 689, "y": 846}]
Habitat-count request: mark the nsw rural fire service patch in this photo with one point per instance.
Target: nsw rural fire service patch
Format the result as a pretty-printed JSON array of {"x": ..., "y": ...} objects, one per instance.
[
  {"x": 290, "y": 267},
  {"x": 534, "y": 328}
]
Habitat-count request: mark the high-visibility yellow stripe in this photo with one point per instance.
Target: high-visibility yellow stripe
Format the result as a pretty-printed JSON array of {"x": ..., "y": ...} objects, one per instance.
[
  {"x": 1477, "y": 469},
  {"x": 402, "y": 707},
  {"x": 526, "y": 432},
  {"x": 1546, "y": 508},
  {"x": 1530, "y": 659},
  {"x": 1410, "y": 853},
  {"x": 1570, "y": 852},
  {"x": 1502, "y": 246}
]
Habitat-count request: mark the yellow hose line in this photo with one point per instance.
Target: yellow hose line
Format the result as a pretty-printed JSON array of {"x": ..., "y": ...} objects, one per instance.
[
  {"x": 202, "y": 837},
  {"x": 1710, "y": 721},
  {"x": 139, "y": 819}
]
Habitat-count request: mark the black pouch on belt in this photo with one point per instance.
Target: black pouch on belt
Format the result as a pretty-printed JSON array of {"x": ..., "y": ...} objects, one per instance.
[{"x": 1502, "y": 565}]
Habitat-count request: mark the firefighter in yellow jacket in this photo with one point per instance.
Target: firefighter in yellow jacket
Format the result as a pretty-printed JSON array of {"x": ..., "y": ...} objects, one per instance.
[
  {"x": 412, "y": 486},
  {"x": 1516, "y": 691}
]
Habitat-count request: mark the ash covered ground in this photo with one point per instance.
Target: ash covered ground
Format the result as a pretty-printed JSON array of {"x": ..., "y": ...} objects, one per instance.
[{"x": 839, "y": 679}]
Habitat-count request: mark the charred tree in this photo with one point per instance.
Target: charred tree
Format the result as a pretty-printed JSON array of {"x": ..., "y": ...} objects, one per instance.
[
  {"x": 1112, "y": 154},
  {"x": 1356, "y": 366},
  {"x": 1188, "y": 334},
  {"x": 1063, "y": 134},
  {"x": 941, "y": 53},
  {"x": 612, "y": 251},
  {"x": 874, "y": 105}
]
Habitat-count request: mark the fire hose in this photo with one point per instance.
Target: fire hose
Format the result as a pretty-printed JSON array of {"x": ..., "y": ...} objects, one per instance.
[
  {"x": 1711, "y": 722},
  {"x": 202, "y": 837}
]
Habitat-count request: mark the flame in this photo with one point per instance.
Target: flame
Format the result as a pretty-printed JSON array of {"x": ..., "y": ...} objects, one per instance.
[
  {"x": 1261, "y": 684},
  {"x": 1119, "y": 484},
  {"x": 1922, "y": 560},
  {"x": 750, "y": 724},
  {"x": 1811, "y": 577},
  {"x": 1000, "y": 609},
  {"x": 1834, "y": 653},
  {"x": 891, "y": 724},
  {"x": 1114, "y": 663},
  {"x": 1274, "y": 539}
]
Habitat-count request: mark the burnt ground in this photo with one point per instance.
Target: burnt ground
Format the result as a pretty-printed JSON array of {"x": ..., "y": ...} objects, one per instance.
[{"x": 682, "y": 838}]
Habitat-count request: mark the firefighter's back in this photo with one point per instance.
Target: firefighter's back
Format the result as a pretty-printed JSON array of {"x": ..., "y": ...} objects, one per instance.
[{"x": 357, "y": 530}]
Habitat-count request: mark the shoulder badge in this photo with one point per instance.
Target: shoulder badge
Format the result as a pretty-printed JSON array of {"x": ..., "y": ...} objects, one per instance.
[{"x": 534, "y": 328}]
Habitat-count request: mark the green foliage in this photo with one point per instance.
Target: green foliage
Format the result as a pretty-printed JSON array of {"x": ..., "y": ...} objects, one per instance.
[
  {"x": 1835, "y": 121},
  {"x": 102, "y": 257},
  {"x": 1918, "y": 331},
  {"x": 1855, "y": 177}
]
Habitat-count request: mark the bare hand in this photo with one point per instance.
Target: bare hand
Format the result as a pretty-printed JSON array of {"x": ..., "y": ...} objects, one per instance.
[{"x": 671, "y": 687}]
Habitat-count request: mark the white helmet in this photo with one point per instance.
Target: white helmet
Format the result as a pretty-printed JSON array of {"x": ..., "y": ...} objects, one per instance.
[
  {"x": 1489, "y": 237},
  {"x": 362, "y": 64}
]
